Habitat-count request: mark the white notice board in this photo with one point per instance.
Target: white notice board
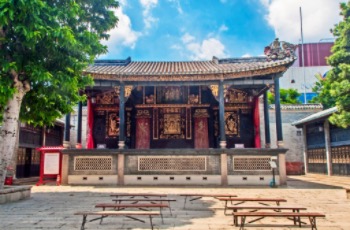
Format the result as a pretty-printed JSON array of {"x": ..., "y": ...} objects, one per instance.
[{"x": 52, "y": 163}]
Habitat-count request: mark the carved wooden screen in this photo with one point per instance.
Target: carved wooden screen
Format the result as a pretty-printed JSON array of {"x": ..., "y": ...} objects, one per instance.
[
  {"x": 143, "y": 133},
  {"x": 201, "y": 133}
]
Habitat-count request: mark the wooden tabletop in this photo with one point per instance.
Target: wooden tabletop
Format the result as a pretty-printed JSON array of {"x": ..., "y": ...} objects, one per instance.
[
  {"x": 138, "y": 194},
  {"x": 251, "y": 199},
  {"x": 208, "y": 195},
  {"x": 114, "y": 205}
]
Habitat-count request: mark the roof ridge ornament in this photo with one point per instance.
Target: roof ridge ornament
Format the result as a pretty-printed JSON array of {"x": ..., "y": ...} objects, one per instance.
[{"x": 275, "y": 52}]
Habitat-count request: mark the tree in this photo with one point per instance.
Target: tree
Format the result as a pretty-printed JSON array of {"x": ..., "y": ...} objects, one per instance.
[
  {"x": 287, "y": 96},
  {"x": 44, "y": 48},
  {"x": 322, "y": 88},
  {"x": 337, "y": 83}
]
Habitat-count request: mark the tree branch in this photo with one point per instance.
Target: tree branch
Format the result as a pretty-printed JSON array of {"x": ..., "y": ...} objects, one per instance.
[{"x": 20, "y": 85}]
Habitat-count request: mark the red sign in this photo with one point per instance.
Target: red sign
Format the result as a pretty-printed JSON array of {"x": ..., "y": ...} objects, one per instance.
[{"x": 50, "y": 164}]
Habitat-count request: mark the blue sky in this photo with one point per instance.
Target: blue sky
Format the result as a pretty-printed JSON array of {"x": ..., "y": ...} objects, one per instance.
[{"x": 184, "y": 30}]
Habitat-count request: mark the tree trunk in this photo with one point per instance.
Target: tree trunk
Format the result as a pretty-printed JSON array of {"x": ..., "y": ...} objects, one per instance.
[{"x": 10, "y": 129}]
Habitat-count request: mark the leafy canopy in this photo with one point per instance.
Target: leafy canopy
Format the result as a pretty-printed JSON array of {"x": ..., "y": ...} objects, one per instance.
[
  {"x": 48, "y": 44},
  {"x": 287, "y": 96},
  {"x": 322, "y": 88},
  {"x": 337, "y": 84}
]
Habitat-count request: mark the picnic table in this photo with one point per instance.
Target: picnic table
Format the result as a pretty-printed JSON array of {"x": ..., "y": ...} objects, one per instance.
[
  {"x": 241, "y": 200},
  {"x": 197, "y": 196},
  {"x": 142, "y": 207},
  {"x": 294, "y": 215},
  {"x": 259, "y": 208},
  {"x": 132, "y": 195},
  {"x": 128, "y": 214},
  {"x": 145, "y": 200}
]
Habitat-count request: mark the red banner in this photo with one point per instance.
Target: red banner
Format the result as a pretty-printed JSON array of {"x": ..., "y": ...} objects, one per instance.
[
  {"x": 142, "y": 133},
  {"x": 90, "y": 139},
  {"x": 201, "y": 140}
]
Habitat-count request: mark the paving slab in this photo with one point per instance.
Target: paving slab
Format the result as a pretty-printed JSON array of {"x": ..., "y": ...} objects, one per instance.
[{"x": 53, "y": 207}]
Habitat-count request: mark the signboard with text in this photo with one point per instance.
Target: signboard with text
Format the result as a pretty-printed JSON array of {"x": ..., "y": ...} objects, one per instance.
[{"x": 50, "y": 165}]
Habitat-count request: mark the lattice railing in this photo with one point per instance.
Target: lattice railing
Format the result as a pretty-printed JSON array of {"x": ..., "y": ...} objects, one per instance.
[
  {"x": 243, "y": 163},
  {"x": 341, "y": 154},
  {"x": 166, "y": 163},
  {"x": 317, "y": 156},
  {"x": 93, "y": 163}
]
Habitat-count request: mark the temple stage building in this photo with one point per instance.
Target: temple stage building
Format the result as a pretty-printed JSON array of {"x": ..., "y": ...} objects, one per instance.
[{"x": 193, "y": 122}]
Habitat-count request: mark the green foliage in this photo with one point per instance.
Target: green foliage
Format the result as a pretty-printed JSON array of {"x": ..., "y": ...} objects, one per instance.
[
  {"x": 49, "y": 44},
  {"x": 322, "y": 88},
  {"x": 287, "y": 96},
  {"x": 337, "y": 84}
]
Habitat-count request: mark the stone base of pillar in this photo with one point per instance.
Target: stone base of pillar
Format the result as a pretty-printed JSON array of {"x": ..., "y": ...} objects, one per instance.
[
  {"x": 223, "y": 144},
  {"x": 267, "y": 145},
  {"x": 280, "y": 144},
  {"x": 121, "y": 144},
  {"x": 78, "y": 146},
  {"x": 66, "y": 144}
]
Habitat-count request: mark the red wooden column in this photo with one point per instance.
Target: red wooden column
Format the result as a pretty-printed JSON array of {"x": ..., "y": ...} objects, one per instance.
[
  {"x": 257, "y": 140},
  {"x": 201, "y": 140},
  {"x": 90, "y": 139}
]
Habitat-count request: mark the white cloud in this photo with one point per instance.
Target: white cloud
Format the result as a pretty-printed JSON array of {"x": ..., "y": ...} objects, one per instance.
[
  {"x": 246, "y": 55},
  {"x": 318, "y": 18},
  {"x": 265, "y": 3},
  {"x": 176, "y": 47},
  {"x": 123, "y": 34},
  {"x": 186, "y": 38},
  {"x": 148, "y": 18},
  {"x": 122, "y": 2},
  {"x": 203, "y": 50},
  {"x": 223, "y": 28},
  {"x": 177, "y": 5}
]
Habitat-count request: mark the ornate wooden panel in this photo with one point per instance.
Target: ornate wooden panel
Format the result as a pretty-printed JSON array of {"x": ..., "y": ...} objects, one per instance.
[{"x": 172, "y": 123}]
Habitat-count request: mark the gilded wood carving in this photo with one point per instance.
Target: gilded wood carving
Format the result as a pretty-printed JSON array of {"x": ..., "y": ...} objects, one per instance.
[
  {"x": 107, "y": 98},
  {"x": 172, "y": 123},
  {"x": 232, "y": 123},
  {"x": 112, "y": 125},
  {"x": 236, "y": 96}
]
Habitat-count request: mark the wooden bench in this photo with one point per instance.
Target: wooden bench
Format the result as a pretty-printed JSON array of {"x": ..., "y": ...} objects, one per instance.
[
  {"x": 240, "y": 200},
  {"x": 295, "y": 215},
  {"x": 258, "y": 208},
  {"x": 150, "y": 200},
  {"x": 197, "y": 196},
  {"x": 134, "y": 206},
  {"x": 104, "y": 214}
]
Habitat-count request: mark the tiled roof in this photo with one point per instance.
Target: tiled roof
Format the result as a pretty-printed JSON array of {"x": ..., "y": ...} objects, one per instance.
[
  {"x": 215, "y": 66},
  {"x": 322, "y": 114},
  {"x": 298, "y": 106}
]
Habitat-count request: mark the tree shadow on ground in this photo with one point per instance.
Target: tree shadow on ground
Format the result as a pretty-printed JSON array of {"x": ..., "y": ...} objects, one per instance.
[{"x": 295, "y": 183}]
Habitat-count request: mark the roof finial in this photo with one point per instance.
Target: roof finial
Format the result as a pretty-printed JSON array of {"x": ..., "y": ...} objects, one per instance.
[{"x": 275, "y": 52}]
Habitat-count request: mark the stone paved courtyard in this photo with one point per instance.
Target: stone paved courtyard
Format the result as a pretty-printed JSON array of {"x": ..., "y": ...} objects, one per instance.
[{"x": 52, "y": 207}]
